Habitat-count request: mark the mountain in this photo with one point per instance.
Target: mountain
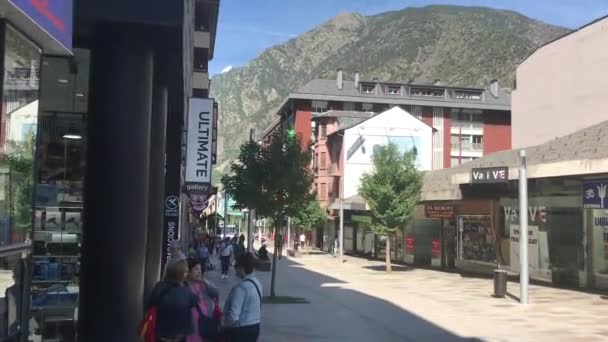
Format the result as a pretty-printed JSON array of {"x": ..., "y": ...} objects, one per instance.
[{"x": 467, "y": 46}]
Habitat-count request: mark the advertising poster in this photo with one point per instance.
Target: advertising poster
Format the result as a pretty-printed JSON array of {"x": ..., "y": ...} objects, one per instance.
[{"x": 533, "y": 248}]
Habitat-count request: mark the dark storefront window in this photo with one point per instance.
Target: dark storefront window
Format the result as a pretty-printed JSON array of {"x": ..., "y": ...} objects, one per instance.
[
  {"x": 476, "y": 239},
  {"x": 556, "y": 232},
  {"x": 21, "y": 69},
  {"x": 59, "y": 198}
]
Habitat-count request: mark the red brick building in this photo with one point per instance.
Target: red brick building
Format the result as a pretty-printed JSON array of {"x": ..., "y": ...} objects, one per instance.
[{"x": 468, "y": 122}]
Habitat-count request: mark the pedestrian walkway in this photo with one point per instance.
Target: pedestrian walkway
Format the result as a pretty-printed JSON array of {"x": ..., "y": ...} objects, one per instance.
[{"x": 464, "y": 306}]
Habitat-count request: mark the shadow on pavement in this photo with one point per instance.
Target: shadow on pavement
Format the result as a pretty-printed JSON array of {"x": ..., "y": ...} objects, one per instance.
[
  {"x": 338, "y": 313},
  {"x": 382, "y": 268}
]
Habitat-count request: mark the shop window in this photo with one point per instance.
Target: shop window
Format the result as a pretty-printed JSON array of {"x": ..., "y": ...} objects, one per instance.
[{"x": 476, "y": 239}]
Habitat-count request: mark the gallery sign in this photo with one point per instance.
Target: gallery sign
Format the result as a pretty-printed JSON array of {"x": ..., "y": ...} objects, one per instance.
[
  {"x": 54, "y": 17},
  {"x": 489, "y": 175},
  {"x": 439, "y": 211},
  {"x": 594, "y": 195},
  {"x": 199, "y": 146}
]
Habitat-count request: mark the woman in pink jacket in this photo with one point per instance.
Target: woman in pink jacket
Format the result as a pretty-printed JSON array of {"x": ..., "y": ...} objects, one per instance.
[{"x": 207, "y": 296}]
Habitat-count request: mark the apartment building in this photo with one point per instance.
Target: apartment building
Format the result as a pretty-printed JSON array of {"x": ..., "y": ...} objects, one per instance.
[
  {"x": 559, "y": 89},
  {"x": 468, "y": 122}
]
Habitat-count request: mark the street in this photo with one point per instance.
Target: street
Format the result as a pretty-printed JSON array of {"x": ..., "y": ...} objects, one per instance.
[{"x": 358, "y": 301}]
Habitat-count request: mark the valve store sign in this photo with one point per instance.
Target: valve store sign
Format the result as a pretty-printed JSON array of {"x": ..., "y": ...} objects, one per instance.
[
  {"x": 439, "y": 211},
  {"x": 490, "y": 175}
]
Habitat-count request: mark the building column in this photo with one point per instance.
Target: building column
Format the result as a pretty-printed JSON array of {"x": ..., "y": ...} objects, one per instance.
[
  {"x": 116, "y": 210},
  {"x": 157, "y": 189}
]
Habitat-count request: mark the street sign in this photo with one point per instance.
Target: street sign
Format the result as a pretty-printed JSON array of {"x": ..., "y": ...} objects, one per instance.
[
  {"x": 439, "y": 211},
  {"x": 594, "y": 194},
  {"x": 489, "y": 175}
]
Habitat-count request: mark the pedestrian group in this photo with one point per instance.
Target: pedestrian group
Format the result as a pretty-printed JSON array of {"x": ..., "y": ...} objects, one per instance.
[{"x": 184, "y": 307}]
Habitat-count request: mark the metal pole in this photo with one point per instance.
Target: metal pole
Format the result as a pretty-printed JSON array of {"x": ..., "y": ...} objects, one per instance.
[
  {"x": 217, "y": 211},
  {"x": 341, "y": 237},
  {"x": 225, "y": 212},
  {"x": 288, "y": 232},
  {"x": 523, "y": 229},
  {"x": 249, "y": 229}
]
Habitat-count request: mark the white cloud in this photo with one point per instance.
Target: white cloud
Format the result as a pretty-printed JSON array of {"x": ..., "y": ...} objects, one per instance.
[{"x": 226, "y": 69}]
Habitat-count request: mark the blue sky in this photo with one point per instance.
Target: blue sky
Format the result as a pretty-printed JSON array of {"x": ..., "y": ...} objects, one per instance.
[{"x": 247, "y": 27}]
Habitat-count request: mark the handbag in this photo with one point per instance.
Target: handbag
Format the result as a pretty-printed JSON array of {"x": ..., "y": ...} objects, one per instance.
[
  {"x": 208, "y": 327},
  {"x": 146, "y": 329}
]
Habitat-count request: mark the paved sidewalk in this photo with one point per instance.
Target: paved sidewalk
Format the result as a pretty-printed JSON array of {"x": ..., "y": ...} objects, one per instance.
[{"x": 464, "y": 306}]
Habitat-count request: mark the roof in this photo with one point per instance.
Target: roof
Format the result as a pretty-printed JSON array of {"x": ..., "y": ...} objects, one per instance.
[
  {"x": 320, "y": 89},
  {"x": 580, "y": 153}
]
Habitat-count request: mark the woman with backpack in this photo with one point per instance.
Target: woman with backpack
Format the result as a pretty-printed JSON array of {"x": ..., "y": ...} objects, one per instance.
[
  {"x": 169, "y": 308},
  {"x": 207, "y": 298}
]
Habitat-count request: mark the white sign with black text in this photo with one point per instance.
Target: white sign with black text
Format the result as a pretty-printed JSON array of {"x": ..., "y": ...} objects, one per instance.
[{"x": 200, "y": 140}]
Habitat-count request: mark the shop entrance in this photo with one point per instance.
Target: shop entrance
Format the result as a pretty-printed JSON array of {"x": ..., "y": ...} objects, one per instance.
[{"x": 597, "y": 236}]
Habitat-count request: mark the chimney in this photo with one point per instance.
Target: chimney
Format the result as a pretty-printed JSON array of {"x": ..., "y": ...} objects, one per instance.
[
  {"x": 494, "y": 88},
  {"x": 437, "y": 82},
  {"x": 357, "y": 79},
  {"x": 339, "y": 80}
]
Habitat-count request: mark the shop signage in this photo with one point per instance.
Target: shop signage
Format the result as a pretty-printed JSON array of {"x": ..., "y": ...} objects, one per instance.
[
  {"x": 490, "y": 175},
  {"x": 215, "y": 126},
  {"x": 199, "y": 141},
  {"x": 594, "y": 195},
  {"x": 439, "y": 211},
  {"x": 410, "y": 244},
  {"x": 171, "y": 223},
  {"x": 199, "y": 195},
  {"x": 536, "y": 215},
  {"x": 54, "y": 17},
  {"x": 533, "y": 248}
]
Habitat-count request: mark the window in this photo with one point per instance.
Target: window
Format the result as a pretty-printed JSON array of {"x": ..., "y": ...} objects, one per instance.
[
  {"x": 319, "y": 107},
  {"x": 323, "y": 160},
  {"x": 323, "y": 131},
  {"x": 349, "y": 106},
  {"x": 323, "y": 193},
  {"x": 467, "y": 95},
  {"x": 368, "y": 89},
  {"x": 393, "y": 90},
  {"x": 432, "y": 92},
  {"x": 368, "y": 107}
]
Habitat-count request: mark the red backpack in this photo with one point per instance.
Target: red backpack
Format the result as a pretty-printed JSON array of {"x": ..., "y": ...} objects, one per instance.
[{"x": 146, "y": 330}]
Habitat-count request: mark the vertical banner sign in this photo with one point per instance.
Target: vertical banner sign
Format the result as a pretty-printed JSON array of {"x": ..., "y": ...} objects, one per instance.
[
  {"x": 215, "y": 126},
  {"x": 200, "y": 140},
  {"x": 54, "y": 17},
  {"x": 171, "y": 220}
]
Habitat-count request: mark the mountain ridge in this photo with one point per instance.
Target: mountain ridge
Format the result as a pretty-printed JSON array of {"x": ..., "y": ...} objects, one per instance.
[{"x": 467, "y": 46}]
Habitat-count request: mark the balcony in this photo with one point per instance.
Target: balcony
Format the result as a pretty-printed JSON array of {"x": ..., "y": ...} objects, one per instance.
[
  {"x": 467, "y": 146},
  {"x": 467, "y": 125}
]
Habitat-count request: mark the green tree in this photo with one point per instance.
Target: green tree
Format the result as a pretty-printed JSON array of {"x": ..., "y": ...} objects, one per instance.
[
  {"x": 392, "y": 191},
  {"x": 310, "y": 217},
  {"x": 275, "y": 179}
]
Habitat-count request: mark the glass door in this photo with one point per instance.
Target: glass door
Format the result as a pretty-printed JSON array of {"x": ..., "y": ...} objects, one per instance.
[{"x": 598, "y": 235}]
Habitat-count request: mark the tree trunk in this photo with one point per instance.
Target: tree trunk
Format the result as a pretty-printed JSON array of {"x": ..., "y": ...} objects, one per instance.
[{"x": 389, "y": 268}]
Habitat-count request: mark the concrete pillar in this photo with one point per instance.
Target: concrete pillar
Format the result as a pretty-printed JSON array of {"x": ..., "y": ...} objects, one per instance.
[
  {"x": 157, "y": 188},
  {"x": 117, "y": 182}
]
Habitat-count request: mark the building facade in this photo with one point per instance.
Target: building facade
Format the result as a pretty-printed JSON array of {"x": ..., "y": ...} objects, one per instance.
[
  {"x": 469, "y": 122},
  {"x": 94, "y": 96},
  {"x": 562, "y": 80},
  {"x": 567, "y": 181}
]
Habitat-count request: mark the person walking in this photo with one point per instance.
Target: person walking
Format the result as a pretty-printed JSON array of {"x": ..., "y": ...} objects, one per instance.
[
  {"x": 239, "y": 249},
  {"x": 243, "y": 307},
  {"x": 173, "y": 302},
  {"x": 203, "y": 254},
  {"x": 279, "y": 245},
  {"x": 206, "y": 294},
  {"x": 226, "y": 252}
]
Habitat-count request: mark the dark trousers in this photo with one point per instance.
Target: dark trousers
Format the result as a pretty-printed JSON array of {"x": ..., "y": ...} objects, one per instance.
[
  {"x": 248, "y": 333},
  {"x": 225, "y": 264}
]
